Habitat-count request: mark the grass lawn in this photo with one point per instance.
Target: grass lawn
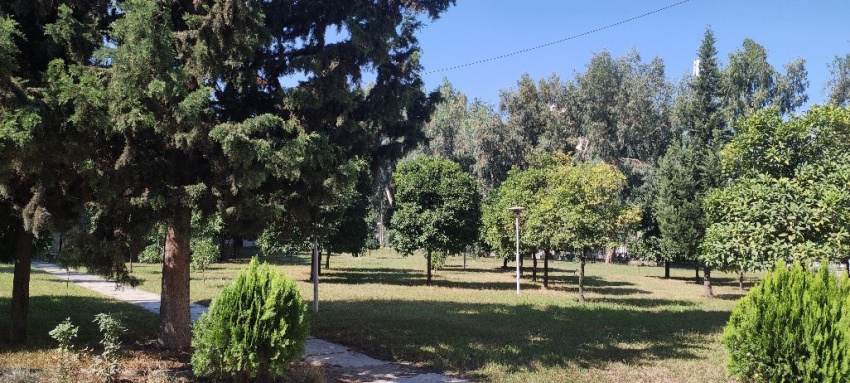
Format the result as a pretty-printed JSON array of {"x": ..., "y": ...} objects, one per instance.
[
  {"x": 51, "y": 301},
  {"x": 635, "y": 327}
]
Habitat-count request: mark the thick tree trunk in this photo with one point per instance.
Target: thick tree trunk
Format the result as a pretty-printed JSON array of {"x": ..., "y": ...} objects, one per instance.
[
  {"x": 21, "y": 287},
  {"x": 328, "y": 260},
  {"x": 666, "y": 269},
  {"x": 741, "y": 280},
  {"x": 696, "y": 269},
  {"x": 546, "y": 269},
  {"x": 534, "y": 271},
  {"x": 505, "y": 263},
  {"x": 428, "y": 281},
  {"x": 609, "y": 255},
  {"x": 581, "y": 275},
  {"x": 706, "y": 281},
  {"x": 175, "y": 331}
]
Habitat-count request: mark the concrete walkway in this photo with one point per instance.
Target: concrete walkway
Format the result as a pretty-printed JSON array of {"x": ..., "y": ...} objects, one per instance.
[{"x": 336, "y": 359}]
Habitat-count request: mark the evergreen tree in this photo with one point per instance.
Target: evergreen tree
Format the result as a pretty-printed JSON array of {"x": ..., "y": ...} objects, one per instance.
[
  {"x": 39, "y": 115},
  {"x": 692, "y": 165}
]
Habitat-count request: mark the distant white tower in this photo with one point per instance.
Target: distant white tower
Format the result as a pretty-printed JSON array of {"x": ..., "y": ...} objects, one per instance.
[{"x": 696, "y": 68}]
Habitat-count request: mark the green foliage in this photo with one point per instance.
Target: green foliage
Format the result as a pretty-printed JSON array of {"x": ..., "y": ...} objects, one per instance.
[
  {"x": 522, "y": 188},
  {"x": 106, "y": 365},
  {"x": 437, "y": 207},
  {"x": 791, "y": 197},
  {"x": 838, "y": 84},
  {"x": 581, "y": 209},
  {"x": 153, "y": 252},
  {"x": 279, "y": 238},
  {"x": 65, "y": 333},
  {"x": 204, "y": 252},
  {"x": 793, "y": 327},
  {"x": 750, "y": 83},
  {"x": 253, "y": 329},
  {"x": 691, "y": 166}
]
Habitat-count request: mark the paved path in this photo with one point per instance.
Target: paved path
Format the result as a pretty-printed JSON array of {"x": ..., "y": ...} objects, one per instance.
[{"x": 336, "y": 359}]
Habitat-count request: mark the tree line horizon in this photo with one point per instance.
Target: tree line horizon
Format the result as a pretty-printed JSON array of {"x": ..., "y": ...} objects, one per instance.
[{"x": 166, "y": 123}]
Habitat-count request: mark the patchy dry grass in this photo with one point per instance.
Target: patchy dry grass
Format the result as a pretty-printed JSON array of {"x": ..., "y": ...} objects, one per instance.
[{"x": 635, "y": 327}]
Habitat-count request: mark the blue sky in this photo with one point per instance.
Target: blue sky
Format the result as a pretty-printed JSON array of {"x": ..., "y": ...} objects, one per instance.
[{"x": 817, "y": 30}]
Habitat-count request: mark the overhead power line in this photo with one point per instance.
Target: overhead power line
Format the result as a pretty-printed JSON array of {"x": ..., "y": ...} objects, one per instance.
[{"x": 559, "y": 41}]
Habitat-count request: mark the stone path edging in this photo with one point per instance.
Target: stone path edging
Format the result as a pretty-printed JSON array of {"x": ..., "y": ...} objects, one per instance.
[{"x": 334, "y": 357}]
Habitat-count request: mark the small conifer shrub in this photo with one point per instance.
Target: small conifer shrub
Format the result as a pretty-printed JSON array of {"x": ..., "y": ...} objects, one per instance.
[
  {"x": 793, "y": 327},
  {"x": 253, "y": 329}
]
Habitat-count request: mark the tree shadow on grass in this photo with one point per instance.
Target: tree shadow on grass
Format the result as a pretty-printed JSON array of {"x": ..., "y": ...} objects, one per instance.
[
  {"x": 644, "y": 302},
  {"x": 467, "y": 336},
  {"x": 415, "y": 277},
  {"x": 379, "y": 275},
  {"x": 46, "y": 312},
  {"x": 749, "y": 282}
]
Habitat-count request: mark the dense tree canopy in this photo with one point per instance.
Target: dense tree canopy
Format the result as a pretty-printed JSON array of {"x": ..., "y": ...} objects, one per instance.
[
  {"x": 790, "y": 194},
  {"x": 191, "y": 109},
  {"x": 437, "y": 208}
]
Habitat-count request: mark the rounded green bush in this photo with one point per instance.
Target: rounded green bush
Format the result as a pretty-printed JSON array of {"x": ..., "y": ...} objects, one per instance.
[
  {"x": 793, "y": 327},
  {"x": 253, "y": 329}
]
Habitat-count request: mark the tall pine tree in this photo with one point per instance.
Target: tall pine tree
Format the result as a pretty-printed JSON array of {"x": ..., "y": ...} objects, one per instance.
[{"x": 692, "y": 165}]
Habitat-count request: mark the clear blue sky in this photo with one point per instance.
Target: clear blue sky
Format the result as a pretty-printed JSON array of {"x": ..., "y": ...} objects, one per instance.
[{"x": 816, "y": 30}]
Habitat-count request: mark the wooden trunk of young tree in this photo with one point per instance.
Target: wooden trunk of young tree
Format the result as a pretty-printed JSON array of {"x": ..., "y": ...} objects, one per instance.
[
  {"x": 521, "y": 261},
  {"x": 505, "y": 263},
  {"x": 741, "y": 281},
  {"x": 581, "y": 275},
  {"x": 328, "y": 260},
  {"x": 706, "y": 282},
  {"x": 428, "y": 281},
  {"x": 546, "y": 269},
  {"x": 696, "y": 269},
  {"x": 534, "y": 270},
  {"x": 21, "y": 287},
  {"x": 314, "y": 273},
  {"x": 319, "y": 262},
  {"x": 175, "y": 331},
  {"x": 667, "y": 269}
]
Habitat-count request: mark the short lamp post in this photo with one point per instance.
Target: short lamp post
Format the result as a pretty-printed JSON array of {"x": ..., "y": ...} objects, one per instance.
[{"x": 517, "y": 210}]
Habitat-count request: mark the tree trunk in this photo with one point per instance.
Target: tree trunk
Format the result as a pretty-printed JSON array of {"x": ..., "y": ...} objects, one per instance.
[
  {"x": 696, "y": 268},
  {"x": 848, "y": 267},
  {"x": 223, "y": 244},
  {"x": 21, "y": 287},
  {"x": 741, "y": 280},
  {"x": 313, "y": 263},
  {"x": 534, "y": 271},
  {"x": 314, "y": 274},
  {"x": 328, "y": 260},
  {"x": 319, "y": 262},
  {"x": 521, "y": 261},
  {"x": 667, "y": 269},
  {"x": 609, "y": 255},
  {"x": 546, "y": 269},
  {"x": 706, "y": 281},
  {"x": 505, "y": 263},
  {"x": 581, "y": 275},
  {"x": 428, "y": 281},
  {"x": 175, "y": 331}
]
